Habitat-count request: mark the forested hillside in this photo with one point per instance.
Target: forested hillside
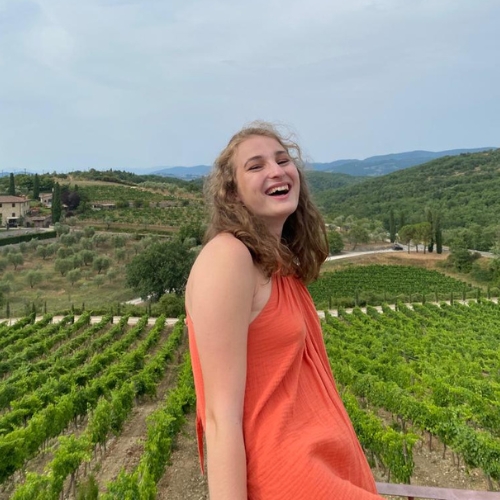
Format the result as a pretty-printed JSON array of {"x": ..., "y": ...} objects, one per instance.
[
  {"x": 322, "y": 181},
  {"x": 465, "y": 189},
  {"x": 386, "y": 164}
]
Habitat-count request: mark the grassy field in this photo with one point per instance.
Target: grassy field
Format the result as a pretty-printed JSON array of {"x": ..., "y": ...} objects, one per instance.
[
  {"x": 55, "y": 292},
  {"x": 107, "y": 289}
]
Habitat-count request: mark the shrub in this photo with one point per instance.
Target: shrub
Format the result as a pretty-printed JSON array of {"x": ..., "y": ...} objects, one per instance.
[{"x": 171, "y": 305}]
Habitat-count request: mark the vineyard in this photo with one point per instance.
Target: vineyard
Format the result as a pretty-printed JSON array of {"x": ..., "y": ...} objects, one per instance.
[
  {"x": 68, "y": 387},
  {"x": 378, "y": 284},
  {"x": 415, "y": 376},
  {"x": 170, "y": 206},
  {"x": 434, "y": 369}
]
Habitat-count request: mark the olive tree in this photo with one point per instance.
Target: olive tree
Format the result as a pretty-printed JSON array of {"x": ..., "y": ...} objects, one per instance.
[{"x": 162, "y": 267}]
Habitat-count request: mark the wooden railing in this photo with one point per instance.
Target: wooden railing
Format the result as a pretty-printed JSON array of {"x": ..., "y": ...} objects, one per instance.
[{"x": 411, "y": 492}]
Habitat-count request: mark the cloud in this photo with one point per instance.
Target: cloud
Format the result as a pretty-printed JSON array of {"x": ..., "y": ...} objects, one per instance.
[{"x": 143, "y": 83}]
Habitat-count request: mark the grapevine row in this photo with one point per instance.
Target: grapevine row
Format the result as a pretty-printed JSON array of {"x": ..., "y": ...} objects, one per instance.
[{"x": 108, "y": 417}]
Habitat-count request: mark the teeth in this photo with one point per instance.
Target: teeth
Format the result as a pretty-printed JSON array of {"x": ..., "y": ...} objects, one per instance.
[{"x": 278, "y": 189}]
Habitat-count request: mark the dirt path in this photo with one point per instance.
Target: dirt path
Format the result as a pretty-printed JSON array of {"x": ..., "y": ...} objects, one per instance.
[
  {"x": 182, "y": 479},
  {"x": 125, "y": 450}
]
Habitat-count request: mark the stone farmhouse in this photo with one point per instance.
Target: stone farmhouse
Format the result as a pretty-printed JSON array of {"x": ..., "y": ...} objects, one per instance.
[
  {"x": 13, "y": 210},
  {"x": 46, "y": 199}
]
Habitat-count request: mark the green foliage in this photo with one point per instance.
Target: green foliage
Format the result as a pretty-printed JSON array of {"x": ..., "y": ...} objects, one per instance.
[
  {"x": 171, "y": 305},
  {"x": 67, "y": 239},
  {"x": 36, "y": 187},
  {"x": 173, "y": 206},
  {"x": 434, "y": 368},
  {"x": 359, "y": 230},
  {"x": 335, "y": 242},
  {"x": 323, "y": 181},
  {"x": 88, "y": 231},
  {"x": 392, "y": 226},
  {"x": 62, "y": 266},
  {"x": 129, "y": 178},
  {"x": 56, "y": 204},
  {"x": 120, "y": 254},
  {"x": 88, "y": 489},
  {"x": 192, "y": 231},
  {"x": 484, "y": 271},
  {"x": 118, "y": 241},
  {"x": 12, "y": 186},
  {"x": 64, "y": 252},
  {"x": 87, "y": 257},
  {"x": 376, "y": 284},
  {"x": 104, "y": 395},
  {"x": 474, "y": 236},
  {"x": 163, "y": 427},
  {"x": 465, "y": 188},
  {"x": 33, "y": 278},
  {"x": 74, "y": 275},
  {"x": 61, "y": 229},
  {"x": 101, "y": 263},
  {"x": 407, "y": 234},
  {"x": 161, "y": 267},
  {"x": 11, "y": 240},
  {"x": 358, "y": 234},
  {"x": 460, "y": 258},
  {"x": 392, "y": 448},
  {"x": 16, "y": 259}
]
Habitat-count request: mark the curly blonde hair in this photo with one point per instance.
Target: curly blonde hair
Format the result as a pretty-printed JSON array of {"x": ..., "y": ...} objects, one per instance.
[{"x": 303, "y": 246}]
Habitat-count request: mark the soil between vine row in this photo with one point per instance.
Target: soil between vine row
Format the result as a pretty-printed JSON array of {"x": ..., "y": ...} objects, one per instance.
[{"x": 183, "y": 479}]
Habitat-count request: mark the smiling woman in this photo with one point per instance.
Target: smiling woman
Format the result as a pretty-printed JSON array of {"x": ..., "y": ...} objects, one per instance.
[
  {"x": 274, "y": 424},
  {"x": 268, "y": 184}
]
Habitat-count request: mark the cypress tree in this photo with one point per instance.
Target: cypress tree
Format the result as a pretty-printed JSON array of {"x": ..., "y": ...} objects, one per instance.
[
  {"x": 36, "y": 187},
  {"x": 56, "y": 204},
  {"x": 392, "y": 226},
  {"x": 430, "y": 215},
  {"x": 402, "y": 219},
  {"x": 12, "y": 186},
  {"x": 438, "y": 234}
]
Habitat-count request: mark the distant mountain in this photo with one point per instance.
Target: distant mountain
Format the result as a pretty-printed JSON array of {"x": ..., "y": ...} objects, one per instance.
[
  {"x": 186, "y": 173},
  {"x": 465, "y": 189},
  {"x": 385, "y": 164},
  {"x": 369, "y": 167}
]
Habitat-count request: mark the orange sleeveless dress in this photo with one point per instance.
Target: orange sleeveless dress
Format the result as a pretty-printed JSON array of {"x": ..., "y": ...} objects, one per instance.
[{"x": 299, "y": 441}]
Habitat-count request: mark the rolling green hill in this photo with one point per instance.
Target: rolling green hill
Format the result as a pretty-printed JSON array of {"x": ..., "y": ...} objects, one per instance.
[
  {"x": 321, "y": 181},
  {"x": 465, "y": 188}
]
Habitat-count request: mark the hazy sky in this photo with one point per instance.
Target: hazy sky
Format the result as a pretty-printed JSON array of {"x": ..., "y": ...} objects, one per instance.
[{"x": 146, "y": 83}]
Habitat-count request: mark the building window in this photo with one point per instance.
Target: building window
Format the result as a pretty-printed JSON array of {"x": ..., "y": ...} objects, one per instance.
[
  {"x": 13, "y": 215},
  {"x": 13, "y": 205}
]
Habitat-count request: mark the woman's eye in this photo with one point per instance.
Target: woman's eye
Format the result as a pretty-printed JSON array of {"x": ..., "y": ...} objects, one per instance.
[
  {"x": 284, "y": 161},
  {"x": 254, "y": 167}
]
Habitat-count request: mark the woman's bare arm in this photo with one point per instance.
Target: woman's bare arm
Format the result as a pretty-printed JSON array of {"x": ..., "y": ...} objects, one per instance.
[{"x": 219, "y": 300}]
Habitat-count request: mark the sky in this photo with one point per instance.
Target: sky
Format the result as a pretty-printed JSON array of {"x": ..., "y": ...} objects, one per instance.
[{"x": 127, "y": 84}]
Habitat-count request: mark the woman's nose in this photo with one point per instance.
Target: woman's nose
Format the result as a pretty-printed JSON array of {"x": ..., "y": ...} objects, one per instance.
[{"x": 275, "y": 170}]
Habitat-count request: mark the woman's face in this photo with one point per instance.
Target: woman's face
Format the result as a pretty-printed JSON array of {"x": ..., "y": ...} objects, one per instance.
[{"x": 267, "y": 180}]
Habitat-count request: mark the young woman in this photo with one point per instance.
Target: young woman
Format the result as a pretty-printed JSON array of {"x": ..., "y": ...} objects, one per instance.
[{"x": 274, "y": 424}]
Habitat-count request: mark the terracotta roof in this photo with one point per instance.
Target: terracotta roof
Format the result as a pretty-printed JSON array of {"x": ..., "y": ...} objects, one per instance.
[{"x": 12, "y": 199}]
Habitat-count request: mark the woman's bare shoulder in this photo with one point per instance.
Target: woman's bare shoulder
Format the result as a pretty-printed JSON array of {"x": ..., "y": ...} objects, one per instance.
[
  {"x": 224, "y": 263},
  {"x": 223, "y": 249}
]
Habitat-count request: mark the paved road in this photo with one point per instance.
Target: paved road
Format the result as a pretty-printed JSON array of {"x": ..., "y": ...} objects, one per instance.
[{"x": 358, "y": 254}]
